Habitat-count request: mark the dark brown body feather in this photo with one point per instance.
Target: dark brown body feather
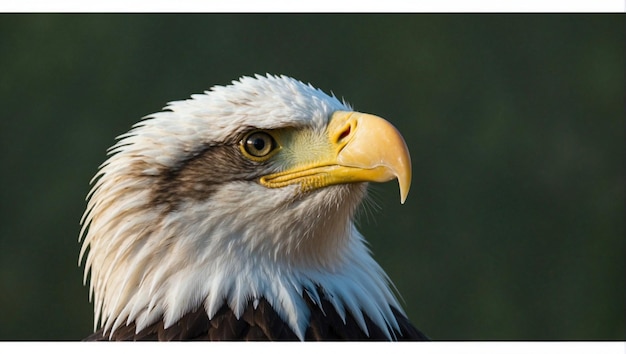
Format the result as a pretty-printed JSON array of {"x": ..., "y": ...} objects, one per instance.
[{"x": 261, "y": 323}]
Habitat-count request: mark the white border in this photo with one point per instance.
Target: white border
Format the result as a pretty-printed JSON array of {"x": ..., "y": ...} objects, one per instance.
[
  {"x": 593, "y": 6},
  {"x": 305, "y": 348}
]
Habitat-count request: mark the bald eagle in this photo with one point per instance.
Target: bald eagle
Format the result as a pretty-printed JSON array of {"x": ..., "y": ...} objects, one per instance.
[{"x": 230, "y": 216}]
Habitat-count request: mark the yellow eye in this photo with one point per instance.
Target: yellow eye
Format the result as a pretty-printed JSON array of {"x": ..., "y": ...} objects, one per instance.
[{"x": 258, "y": 144}]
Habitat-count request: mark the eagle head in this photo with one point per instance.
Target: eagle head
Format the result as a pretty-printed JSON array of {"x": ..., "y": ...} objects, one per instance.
[{"x": 242, "y": 193}]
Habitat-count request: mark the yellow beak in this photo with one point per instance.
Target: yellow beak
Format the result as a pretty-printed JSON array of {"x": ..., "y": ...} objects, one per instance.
[{"x": 361, "y": 148}]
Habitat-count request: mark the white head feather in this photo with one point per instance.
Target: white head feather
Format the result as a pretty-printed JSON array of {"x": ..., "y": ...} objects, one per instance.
[{"x": 245, "y": 242}]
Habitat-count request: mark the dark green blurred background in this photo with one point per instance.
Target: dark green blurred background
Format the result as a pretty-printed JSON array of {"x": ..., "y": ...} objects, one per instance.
[{"x": 514, "y": 227}]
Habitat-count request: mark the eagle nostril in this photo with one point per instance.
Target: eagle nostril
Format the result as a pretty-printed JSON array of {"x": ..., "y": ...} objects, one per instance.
[{"x": 345, "y": 133}]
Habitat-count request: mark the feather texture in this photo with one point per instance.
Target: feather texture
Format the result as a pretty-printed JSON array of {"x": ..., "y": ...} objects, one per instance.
[
  {"x": 261, "y": 322},
  {"x": 181, "y": 241}
]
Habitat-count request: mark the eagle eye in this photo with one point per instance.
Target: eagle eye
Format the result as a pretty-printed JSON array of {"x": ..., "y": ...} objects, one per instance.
[{"x": 258, "y": 144}]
